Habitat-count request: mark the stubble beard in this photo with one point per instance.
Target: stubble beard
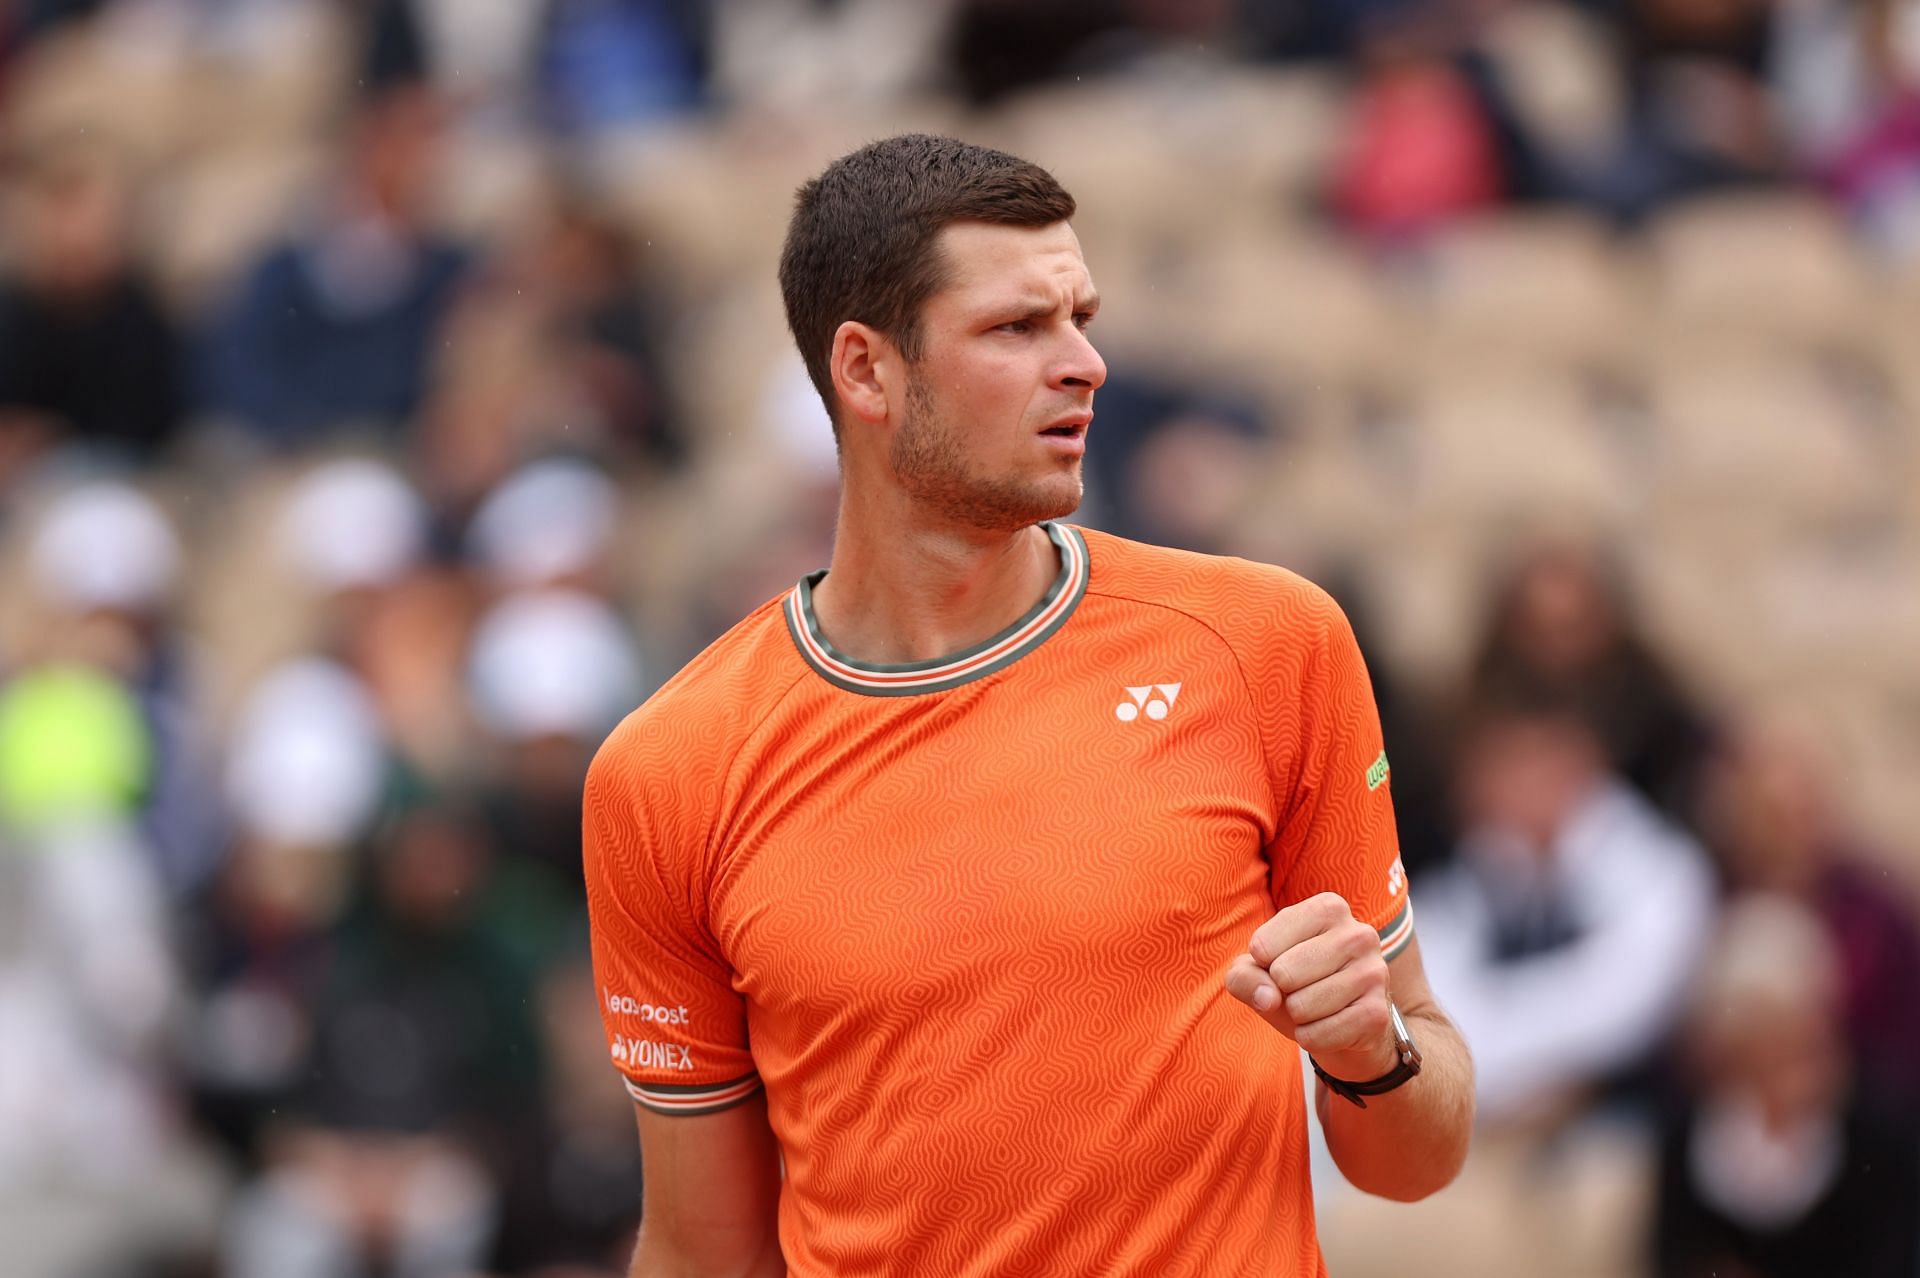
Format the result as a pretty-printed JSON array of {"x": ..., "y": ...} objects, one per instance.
[{"x": 930, "y": 462}]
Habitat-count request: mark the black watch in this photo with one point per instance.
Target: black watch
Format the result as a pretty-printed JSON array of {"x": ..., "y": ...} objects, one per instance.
[{"x": 1408, "y": 1066}]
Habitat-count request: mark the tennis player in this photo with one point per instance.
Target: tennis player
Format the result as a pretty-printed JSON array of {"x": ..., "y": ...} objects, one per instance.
[{"x": 958, "y": 912}]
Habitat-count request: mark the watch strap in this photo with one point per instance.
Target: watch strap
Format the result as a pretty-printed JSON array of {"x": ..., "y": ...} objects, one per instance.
[
  {"x": 1405, "y": 1068},
  {"x": 1354, "y": 1092}
]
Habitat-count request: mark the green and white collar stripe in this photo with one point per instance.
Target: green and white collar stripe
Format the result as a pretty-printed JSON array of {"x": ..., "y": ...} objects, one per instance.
[{"x": 915, "y": 677}]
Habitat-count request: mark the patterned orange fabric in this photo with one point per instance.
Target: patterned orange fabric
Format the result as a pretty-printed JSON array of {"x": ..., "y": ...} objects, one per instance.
[{"x": 967, "y": 920}]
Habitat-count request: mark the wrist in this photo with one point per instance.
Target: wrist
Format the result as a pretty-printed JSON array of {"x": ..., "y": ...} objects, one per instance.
[
  {"x": 1360, "y": 1065},
  {"x": 1369, "y": 1080}
]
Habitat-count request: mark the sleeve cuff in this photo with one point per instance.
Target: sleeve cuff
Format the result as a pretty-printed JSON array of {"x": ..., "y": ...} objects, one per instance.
[
  {"x": 689, "y": 1099},
  {"x": 1398, "y": 933}
]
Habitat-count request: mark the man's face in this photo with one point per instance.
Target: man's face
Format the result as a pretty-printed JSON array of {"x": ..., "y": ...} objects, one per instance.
[{"x": 998, "y": 404}]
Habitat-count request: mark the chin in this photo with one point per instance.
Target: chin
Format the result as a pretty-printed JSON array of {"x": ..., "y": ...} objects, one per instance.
[{"x": 1054, "y": 499}]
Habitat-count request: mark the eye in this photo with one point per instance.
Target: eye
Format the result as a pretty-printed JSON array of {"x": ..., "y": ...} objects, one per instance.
[
  {"x": 1081, "y": 319},
  {"x": 1013, "y": 326}
]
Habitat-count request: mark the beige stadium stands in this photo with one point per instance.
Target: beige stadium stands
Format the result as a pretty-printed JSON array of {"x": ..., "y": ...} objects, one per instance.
[
  {"x": 1534, "y": 287},
  {"x": 1762, "y": 267}
]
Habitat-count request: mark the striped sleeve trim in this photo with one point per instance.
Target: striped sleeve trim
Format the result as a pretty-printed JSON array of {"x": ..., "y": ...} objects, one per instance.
[
  {"x": 1398, "y": 933},
  {"x": 709, "y": 1098}
]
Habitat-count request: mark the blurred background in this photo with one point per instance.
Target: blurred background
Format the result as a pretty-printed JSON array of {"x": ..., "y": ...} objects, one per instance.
[{"x": 394, "y": 392}]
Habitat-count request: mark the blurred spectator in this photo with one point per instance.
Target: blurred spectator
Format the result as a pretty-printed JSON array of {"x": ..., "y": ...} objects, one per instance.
[
  {"x": 352, "y": 526},
  {"x": 773, "y": 58},
  {"x": 582, "y": 66},
  {"x": 106, "y": 562},
  {"x": 1847, "y": 83},
  {"x": 1563, "y": 938},
  {"x": 550, "y": 673},
  {"x": 25, "y": 21},
  {"x": 571, "y": 1178},
  {"x": 1776, "y": 1167},
  {"x": 306, "y": 773},
  {"x": 357, "y": 534},
  {"x": 604, "y": 316},
  {"x": 552, "y": 523},
  {"x": 612, "y": 64},
  {"x": 1771, "y": 818},
  {"x": 1697, "y": 115},
  {"x": 88, "y": 984},
  {"x": 1175, "y": 465},
  {"x": 421, "y": 1044},
  {"x": 87, "y": 354},
  {"x": 1002, "y": 46},
  {"x": 1560, "y": 625},
  {"x": 1421, "y": 150},
  {"x": 556, "y": 347},
  {"x": 480, "y": 59},
  {"x": 335, "y": 329}
]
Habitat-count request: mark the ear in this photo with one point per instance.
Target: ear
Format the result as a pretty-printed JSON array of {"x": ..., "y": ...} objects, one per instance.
[{"x": 860, "y": 365}]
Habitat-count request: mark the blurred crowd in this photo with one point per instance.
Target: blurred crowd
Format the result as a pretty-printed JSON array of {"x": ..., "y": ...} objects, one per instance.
[{"x": 394, "y": 392}]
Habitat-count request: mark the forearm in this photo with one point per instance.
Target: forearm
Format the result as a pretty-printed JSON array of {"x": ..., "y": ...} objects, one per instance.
[{"x": 1411, "y": 1141}]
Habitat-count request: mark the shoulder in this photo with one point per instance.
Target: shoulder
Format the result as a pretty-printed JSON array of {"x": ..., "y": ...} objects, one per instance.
[
  {"x": 692, "y": 727},
  {"x": 1259, "y": 610}
]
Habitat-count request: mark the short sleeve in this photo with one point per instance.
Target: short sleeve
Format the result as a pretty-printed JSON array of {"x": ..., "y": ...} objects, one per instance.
[
  {"x": 1337, "y": 829},
  {"x": 676, "y": 1028}
]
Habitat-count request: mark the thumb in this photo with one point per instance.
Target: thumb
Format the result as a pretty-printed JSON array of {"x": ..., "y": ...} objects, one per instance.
[{"x": 1250, "y": 983}]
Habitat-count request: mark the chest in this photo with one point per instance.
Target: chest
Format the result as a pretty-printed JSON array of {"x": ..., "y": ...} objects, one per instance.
[{"x": 1065, "y": 821}]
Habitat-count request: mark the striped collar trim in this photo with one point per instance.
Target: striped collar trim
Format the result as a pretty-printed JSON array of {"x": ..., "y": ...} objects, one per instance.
[{"x": 915, "y": 677}]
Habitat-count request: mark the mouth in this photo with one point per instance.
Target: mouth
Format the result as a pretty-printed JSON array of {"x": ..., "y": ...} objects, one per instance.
[{"x": 1073, "y": 428}]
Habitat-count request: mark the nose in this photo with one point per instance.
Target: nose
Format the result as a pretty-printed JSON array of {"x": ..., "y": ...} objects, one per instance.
[{"x": 1081, "y": 367}]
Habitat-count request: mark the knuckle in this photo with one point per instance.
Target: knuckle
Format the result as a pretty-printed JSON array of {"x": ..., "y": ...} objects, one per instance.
[{"x": 1331, "y": 906}]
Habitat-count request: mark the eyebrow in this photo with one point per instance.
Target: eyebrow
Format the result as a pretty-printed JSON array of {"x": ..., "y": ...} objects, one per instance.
[{"x": 1037, "y": 308}]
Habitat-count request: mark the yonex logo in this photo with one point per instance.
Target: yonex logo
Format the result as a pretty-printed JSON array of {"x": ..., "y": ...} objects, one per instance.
[
  {"x": 641, "y": 1054},
  {"x": 1153, "y": 700}
]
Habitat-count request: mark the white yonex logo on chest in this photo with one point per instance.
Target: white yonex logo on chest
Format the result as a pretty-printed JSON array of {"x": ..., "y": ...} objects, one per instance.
[{"x": 1152, "y": 699}]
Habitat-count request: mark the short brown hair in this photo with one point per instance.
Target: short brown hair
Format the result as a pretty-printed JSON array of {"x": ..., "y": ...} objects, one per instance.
[{"x": 862, "y": 241}]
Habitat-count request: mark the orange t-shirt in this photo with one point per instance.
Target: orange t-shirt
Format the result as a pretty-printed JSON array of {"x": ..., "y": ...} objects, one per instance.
[{"x": 966, "y": 920}]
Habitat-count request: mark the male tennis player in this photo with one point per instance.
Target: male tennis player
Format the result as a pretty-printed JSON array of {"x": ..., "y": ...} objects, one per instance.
[{"x": 958, "y": 912}]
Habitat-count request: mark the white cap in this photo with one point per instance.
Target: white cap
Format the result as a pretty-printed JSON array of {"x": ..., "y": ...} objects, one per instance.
[
  {"x": 545, "y": 521},
  {"x": 354, "y": 522},
  {"x": 106, "y": 545},
  {"x": 553, "y": 662},
  {"x": 307, "y": 760}
]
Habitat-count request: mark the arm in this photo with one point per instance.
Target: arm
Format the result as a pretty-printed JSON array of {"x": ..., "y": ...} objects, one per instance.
[
  {"x": 711, "y": 1203},
  {"x": 1316, "y": 974}
]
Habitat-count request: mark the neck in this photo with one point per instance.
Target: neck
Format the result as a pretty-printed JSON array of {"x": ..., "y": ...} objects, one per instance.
[{"x": 918, "y": 588}]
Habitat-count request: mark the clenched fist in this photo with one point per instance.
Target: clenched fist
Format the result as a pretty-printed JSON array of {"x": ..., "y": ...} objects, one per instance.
[{"x": 1316, "y": 974}]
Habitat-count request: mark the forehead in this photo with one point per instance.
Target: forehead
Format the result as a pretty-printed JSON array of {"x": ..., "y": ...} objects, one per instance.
[{"x": 985, "y": 262}]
